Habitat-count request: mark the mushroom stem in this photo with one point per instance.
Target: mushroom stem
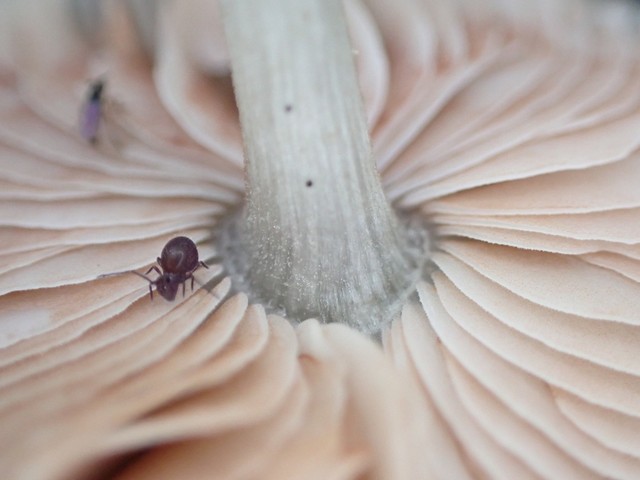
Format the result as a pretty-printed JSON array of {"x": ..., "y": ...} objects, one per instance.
[{"x": 320, "y": 237}]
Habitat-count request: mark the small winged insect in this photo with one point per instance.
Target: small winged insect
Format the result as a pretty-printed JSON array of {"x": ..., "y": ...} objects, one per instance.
[
  {"x": 92, "y": 112},
  {"x": 178, "y": 260}
]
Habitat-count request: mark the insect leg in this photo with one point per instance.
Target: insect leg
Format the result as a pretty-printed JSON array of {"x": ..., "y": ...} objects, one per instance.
[
  {"x": 155, "y": 269},
  {"x": 204, "y": 265},
  {"x": 151, "y": 282}
]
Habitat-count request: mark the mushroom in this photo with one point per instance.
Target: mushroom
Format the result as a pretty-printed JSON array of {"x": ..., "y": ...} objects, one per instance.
[{"x": 437, "y": 281}]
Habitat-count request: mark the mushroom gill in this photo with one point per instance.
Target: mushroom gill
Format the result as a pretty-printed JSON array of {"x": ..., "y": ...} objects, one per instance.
[{"x": 509, "y": 128}]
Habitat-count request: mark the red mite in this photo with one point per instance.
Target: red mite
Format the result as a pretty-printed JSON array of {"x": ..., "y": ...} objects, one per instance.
[{"x": 178, "y": 260}]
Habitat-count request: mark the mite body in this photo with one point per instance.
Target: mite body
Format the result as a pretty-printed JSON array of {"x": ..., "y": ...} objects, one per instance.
[
  {"x": 92, "y": 112},
  {"x": 177, "y": 262}
]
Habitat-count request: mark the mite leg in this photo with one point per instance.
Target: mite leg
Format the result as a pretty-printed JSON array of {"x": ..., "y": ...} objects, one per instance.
[
  {"x": 184, "y": 288},
  {"x": 192, "y": 279},
  {"x": 151, "y": 292},
  {"x": 204, "y": 265}
]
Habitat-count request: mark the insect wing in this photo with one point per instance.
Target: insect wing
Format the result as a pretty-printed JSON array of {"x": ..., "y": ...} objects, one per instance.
[
  {"x": 92, "y": 112},
  {"x": 90, "y": 120}
]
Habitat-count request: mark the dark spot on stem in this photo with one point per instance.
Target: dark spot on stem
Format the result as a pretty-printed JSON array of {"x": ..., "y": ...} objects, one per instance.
[
  {"x": 309, "y": 183},
  {"x": 288, "y": 107}
]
